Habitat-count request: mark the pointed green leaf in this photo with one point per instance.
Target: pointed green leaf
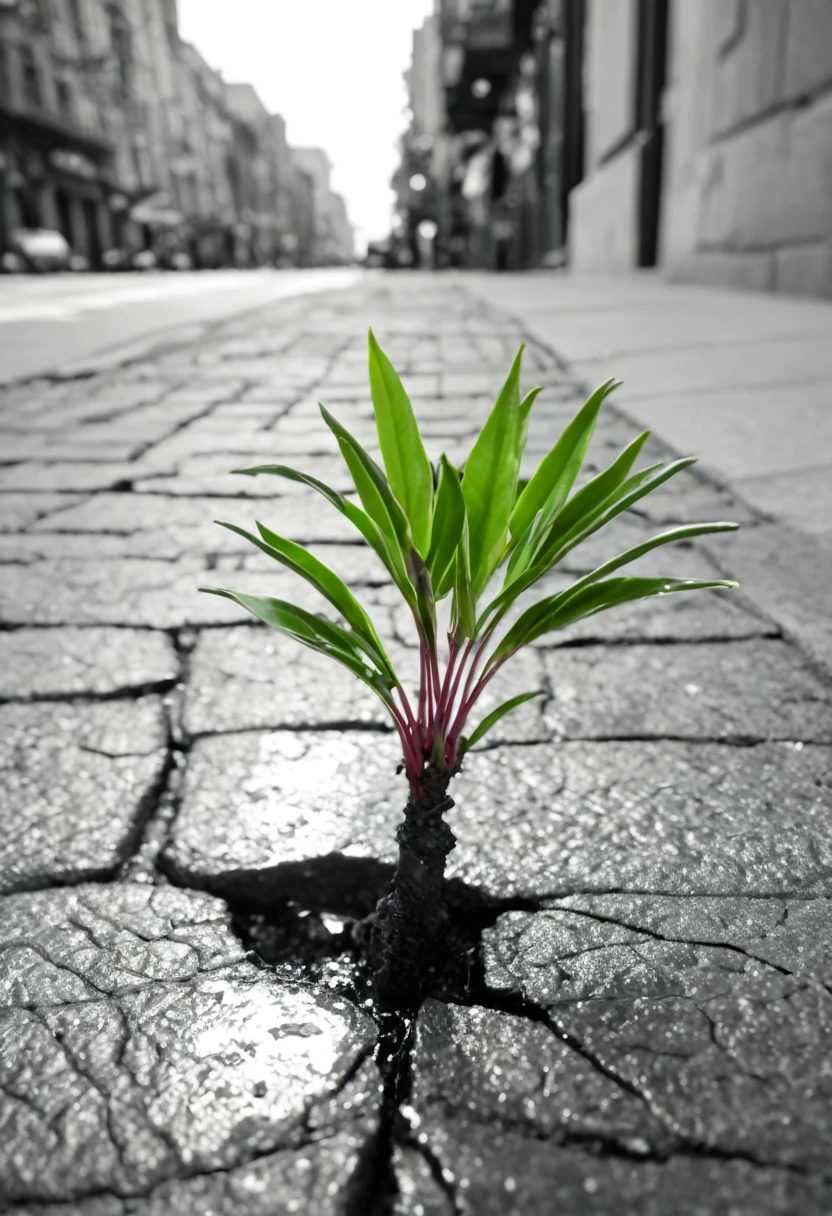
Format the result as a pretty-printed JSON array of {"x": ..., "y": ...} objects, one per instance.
[
  {"x": 482, "y": 729},
  {"x": 490, "y": 480},
  {"x": 558, "y": 611},
  {"x": 448, "y": 523},
  {"x": 464, "y": 604},
  {"x": 373, "y": 488},
  {"x": 312, "y": 631},
  {"x": 549, "y": 488},
  {"x": 405, "y": 459},
  {"x": 391, "y": 555},
  {"x": 523, "y": 421},
  {"x": 326, "y": 581}
]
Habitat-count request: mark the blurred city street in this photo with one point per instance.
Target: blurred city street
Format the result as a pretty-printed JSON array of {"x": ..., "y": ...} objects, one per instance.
[{"x": 56, "y": 322}]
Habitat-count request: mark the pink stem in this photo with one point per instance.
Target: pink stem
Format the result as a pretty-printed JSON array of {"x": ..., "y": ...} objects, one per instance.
[
  {"x": 438, "y": 722},
  {"x": 412, "y": 762},
  {"x": 469, "y": 696},
  {"x": 449, "y": 704}
]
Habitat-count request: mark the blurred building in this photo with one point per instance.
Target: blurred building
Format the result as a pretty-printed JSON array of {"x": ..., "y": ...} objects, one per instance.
[
  {"x": 691, "y": 134},
  {"x": 118, "y": 134},
  {"x": 333, "y": 240}
]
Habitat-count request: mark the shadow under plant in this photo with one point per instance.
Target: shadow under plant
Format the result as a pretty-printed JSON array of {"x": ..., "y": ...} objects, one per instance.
[{"x": 633, "y": 1007}]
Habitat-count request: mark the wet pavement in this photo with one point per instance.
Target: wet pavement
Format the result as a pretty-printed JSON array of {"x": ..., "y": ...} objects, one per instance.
[{"x": 636, "y": 1015}]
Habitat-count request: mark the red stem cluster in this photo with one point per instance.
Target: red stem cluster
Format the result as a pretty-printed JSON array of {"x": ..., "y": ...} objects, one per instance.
[{"x": 443, "y": 706}]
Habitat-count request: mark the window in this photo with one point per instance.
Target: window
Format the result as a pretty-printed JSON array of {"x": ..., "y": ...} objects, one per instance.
[
  {"x": 121, "y": 43},
  {"x": 65, "y": 99},
  {"x": 77, "y": 19},
  {"x": 31, "y": 78}
]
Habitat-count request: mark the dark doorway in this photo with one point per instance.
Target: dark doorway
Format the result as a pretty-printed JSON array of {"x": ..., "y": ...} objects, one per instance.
[
  {"x": 64, "y": 214},
  {"x": 650, "y": 76},
  {"x": 574, "y": 19},
  {"x": 91, "y": 229}
]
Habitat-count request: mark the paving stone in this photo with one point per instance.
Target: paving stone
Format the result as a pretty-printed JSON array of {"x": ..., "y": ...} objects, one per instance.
[
  {"x": 290, "y": 815},
  {"x": 79, "y": 782},
  {"x": 726, "y": 1051},
  {"x": 191, "y": 520},
  {"x": 418, "y": 1192},
  {"x": 210, "y": 473},
  {"x": 493, "y": 1171},
  {"x": 677, "y": 818},
  {"x": 82, "y": 662},
  {"x": 61, "y": 476},
  {"x": 19, "y": 511},
  {"x": 736, "y": 690},
  {"x": 155, "y": 594},
  {"x": 138, "y": 1048}
]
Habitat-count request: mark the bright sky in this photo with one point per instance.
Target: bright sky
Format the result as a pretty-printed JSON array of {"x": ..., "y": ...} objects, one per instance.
[{"x": 333, "y": 69}]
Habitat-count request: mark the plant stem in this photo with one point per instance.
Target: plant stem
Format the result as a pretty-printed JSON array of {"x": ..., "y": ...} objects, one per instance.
[{"x": 408, "y": 926}]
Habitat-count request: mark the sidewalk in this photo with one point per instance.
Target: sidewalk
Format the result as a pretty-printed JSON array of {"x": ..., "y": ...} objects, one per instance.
[{"x": 195, "y": 810}]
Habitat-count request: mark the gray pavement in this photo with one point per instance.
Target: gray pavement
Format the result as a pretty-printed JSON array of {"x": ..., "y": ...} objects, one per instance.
[
  {"x": 637, "y": 1013},
  {"x": 69, "y": 322}
]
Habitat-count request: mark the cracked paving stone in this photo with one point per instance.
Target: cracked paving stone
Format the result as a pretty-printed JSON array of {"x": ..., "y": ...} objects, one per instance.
[
  {"x": 77, "y": 475},
  {"x": 516, "y": 1122},
  {"x": 190, "y": 520},
  {"x": 82, "y": 662},
  {"x": 250, "y": 678},
  {"x": 290, "y": 815},
  {"x": 79, "y": 782},
  {"x": 677, "y": 818},
  {"x": 736, "y": 690},
  {"x": 140, "y": 1055},
  {"x": 153, "y": 594},
  {"x": 729, "y": 1053},
  {"x": 19, "y": 511},
  {"x": 295, "y": 815}
]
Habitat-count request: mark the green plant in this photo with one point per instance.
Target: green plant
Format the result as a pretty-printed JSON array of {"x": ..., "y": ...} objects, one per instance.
[{"x": 446, "y": 532}]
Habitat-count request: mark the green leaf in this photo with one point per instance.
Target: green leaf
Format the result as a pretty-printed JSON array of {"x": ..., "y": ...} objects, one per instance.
[
  {"x": 448, "y": 524},
  {"x": 549, "y": 488},
  {"x": 523, "y": 420},
  {"x": 590, "y": 499},
  {"x": 373, "y": 488},
  {"x": 567, "y": 607},
  {"x": 685, "y": 532},
  {"x": 405, "y": 459},
  {"x": 482, "y": 729},
  {"x": 326, "y": 581},
  {"x": 312, "y": 631},
  {"x": 464, "y": 605},
  {"x": 490, "y": 480},
  {"x": 391, "y": 555}
]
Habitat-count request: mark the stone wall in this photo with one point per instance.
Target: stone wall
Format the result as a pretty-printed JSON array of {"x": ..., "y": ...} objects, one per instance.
[{"x": 748, "y": 179}]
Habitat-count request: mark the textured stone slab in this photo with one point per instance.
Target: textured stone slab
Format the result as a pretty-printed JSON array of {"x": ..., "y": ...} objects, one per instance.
[
  {"x": 78, "y": 782},
  {"x": 739, "y": 690},
  {"x": 290, "y": 815},
  {"x": 18, "y": 511},
  {"x": 669, "y": 817},
  {"x": 154, "y": 594},
  {"x": 726, "y": 1051},
  {"x": 301, "y": 517},
  {"x": 62, "y": 476},
  {"x": 137, "y": 1048},
  {"x": 82, "y": 662}
]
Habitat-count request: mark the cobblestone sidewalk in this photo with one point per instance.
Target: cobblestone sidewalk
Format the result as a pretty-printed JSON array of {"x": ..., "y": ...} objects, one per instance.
[{"x": 193, "y": 811}]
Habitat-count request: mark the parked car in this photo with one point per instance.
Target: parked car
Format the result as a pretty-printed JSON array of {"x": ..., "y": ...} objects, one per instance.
[{"x": 41, "y": 249}]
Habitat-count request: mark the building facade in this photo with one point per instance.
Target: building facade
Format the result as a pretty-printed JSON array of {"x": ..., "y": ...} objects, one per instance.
[{"x": 119, "y": 135}]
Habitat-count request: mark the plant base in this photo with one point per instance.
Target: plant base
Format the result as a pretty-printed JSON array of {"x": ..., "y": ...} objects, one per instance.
[{"x": 407, "y": 929}]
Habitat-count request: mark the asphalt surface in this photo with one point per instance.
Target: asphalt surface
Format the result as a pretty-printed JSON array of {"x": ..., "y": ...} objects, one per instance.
[{"x": 51, "y": 322}]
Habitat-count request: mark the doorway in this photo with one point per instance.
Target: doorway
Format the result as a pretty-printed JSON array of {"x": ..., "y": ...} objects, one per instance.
[
  {"x": 64, "y": 210},
  {"x": 651, "y": 74},
  {"x": 91, "y": 231}
]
